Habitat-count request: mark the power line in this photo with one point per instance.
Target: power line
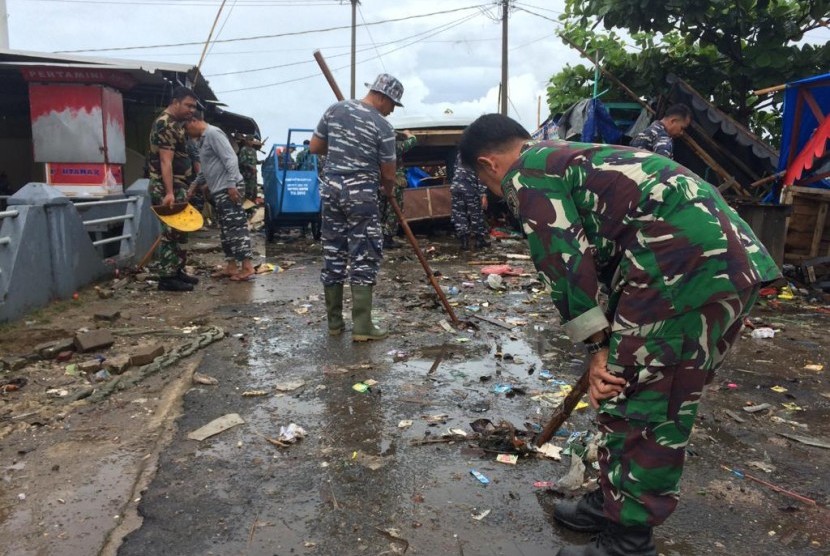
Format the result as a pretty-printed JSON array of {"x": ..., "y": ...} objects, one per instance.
[
  {"x": 368, "y": 32},
  {"x": 257, "y": 37},
  {"x": 310, "y": 76},
  {"x": 561, "y": 25},
  {"x": 303, "y": 62}
]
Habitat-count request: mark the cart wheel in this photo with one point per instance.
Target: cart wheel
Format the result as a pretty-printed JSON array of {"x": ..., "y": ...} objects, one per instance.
[
  {"x": 316, "y": 229},
  {"x": 269, "y": 225}
]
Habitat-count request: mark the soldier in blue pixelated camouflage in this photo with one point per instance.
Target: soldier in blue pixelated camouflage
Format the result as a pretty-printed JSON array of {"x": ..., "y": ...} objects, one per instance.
[
  {"x": 683, "y": 270},
  {"x": 359, "y": 144},
  {"x": 659, "y": 136},
  {"x": 469, "y": 201}
]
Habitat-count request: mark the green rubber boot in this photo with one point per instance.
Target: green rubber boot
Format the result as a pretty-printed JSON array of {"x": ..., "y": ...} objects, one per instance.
[
  {"x": 334, "y": 308},
  {"x": 363, "y": 329}
]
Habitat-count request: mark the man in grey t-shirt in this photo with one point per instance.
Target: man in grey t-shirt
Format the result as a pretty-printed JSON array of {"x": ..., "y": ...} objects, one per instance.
[
  {"x": 220, "y": 172},
  {"x": 359, "y": 144}
]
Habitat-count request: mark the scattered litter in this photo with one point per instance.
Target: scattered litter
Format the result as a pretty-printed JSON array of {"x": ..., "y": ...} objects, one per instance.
[
  {"x": 482, "y": 515},
  {"x": 544, "y": 484},
  {"x": 22, "y": 495},
  {"x": 732, "y": 386},
  {"x": 265, "y": 268},
  {"x": 501, "y": 388},
  {"x": 289, "y": 385},
  {"x": 551, "y": 451},
  {"x": 360, "y": 387},
  {"x": 575, "y": 476},
  {"x": 779, "y": 389},
  {"x": 395, "y": 536},
  {"x": 737, "y": 418},
  {"x": 446, "y": 326},
  {"x": 500, "y": 270},
  {"x": 757, "y": 408},
  {"x": 370, "y": 382},
  {"x": 437, "y": 418},
  {"x": 763, "y": 333},
  {"x": 457, "y": 432},
  {"x": 254, "y": 393},
  {"x": 216, "y": 426},
  {"x": 762, "y": 465},
  {"x": 404, "y": 424},
  {"x": 789, "y": 406},
  {"x": 545, "y": 374},
  {"x": 369, "y": 461},
  {"x": 57, "y": 393},
  {"x": 481, "y": 478},
  {"x": 808, "y": 440},
  {"x": 199, "y": 378},
  {"x": 301, "y": 310},
  {"x": 462, "y": 340},
  {"x": 102, "y": 376},
  {"x": 510, "y": 459},
  {"x": 495, "y": 282},
  {"x": 291, "y": 434},
  {"x": 814, "y": 367},
  {"x": 72, "y": 370}
]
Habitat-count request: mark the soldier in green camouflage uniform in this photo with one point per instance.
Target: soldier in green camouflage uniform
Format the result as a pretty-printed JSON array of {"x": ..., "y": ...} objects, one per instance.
[
  {"x": 682, "y": 270},
  {"x": 247, "y": 165},
  {"x": 170, "y": 171},
  {"x": 388, "y": 218}
]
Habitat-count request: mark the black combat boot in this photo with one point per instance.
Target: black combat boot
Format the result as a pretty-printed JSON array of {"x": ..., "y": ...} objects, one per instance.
[
  {"x": 616, "y": 540},
  {"x": 173, "y": 284},
  {"x": 583, "y": 515},
  {"x": 389, "y": 243},
  {"x": 465, "y": 243},
  {"x": 187, "y": 278},
  {"x": 481, "y": 242}
]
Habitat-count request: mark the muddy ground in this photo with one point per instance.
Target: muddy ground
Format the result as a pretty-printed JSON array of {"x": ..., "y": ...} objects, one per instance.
[{"x": 118, "y": 474}]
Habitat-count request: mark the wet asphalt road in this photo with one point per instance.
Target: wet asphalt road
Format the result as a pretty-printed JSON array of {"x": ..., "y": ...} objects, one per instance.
[{"x": 235, "y": 493}]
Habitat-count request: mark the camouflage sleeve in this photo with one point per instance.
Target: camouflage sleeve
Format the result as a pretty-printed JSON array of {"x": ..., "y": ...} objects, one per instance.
[
  {"x": 322, "y": 130},
  {"x": 663, "y": 145},
  {"x": 402, "y": 147},
  {"x": 166, "y": 136},
  {"x": 386, "y": 143},
  {"x": 561, "y": 252}
]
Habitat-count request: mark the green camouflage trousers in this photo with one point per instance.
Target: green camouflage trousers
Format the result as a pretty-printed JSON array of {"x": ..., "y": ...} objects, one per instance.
[
  {"x": 388, "y": 218},
  {"x": 251, "y": 190},
  {"x": 170, "y": 256},
  {"x": 643, "y": 432}
]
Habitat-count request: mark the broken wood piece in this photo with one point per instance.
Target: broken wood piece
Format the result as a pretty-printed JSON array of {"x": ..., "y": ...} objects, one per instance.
[
  {"x": 494, "y": 321},
  {"x": 808, "y": 440},
  {"x": 216, "y": 426}
]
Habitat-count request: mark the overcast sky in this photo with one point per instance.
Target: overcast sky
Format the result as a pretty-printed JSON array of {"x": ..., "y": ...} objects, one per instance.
[{"x": 446, "y": 61}]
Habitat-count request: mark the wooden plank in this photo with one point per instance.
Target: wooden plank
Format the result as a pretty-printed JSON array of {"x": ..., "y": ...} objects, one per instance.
[
  {"x": 811, "y": 191},
  {"x": 821, "y": 220}
]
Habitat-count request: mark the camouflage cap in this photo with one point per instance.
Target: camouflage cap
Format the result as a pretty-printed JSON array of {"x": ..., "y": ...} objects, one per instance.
[{"x": 389, "y": 86}]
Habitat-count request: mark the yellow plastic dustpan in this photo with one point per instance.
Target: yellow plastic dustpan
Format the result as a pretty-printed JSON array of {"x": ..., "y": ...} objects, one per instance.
[{"x": 181, "y": 216}]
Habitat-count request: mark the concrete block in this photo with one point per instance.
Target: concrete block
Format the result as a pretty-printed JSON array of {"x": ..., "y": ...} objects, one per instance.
[
  {"x": 13, "y": 363},
  {"x": 100, "y": 338},
  {"x": 107, "y": 314},
  {"x": 91, "y": 366},
  {"x": 50, "y": 350},
  {"x": 146, "y": 354},
  {"x": 118, "y": 364}
]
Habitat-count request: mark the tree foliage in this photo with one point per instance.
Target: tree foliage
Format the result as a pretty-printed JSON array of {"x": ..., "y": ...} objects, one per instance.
[{"x": 723, "y": 48}]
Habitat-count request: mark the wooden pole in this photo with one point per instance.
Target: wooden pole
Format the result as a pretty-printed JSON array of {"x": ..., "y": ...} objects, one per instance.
[
  {"x": 503, "y": 109},
  {"x": 561, "y": 414},
  {"x": 324, "y": 67},
  {"x": 207, "y": 43},
  {"x": 769, "y": 90},
  {"x": 354, "y": 48}
]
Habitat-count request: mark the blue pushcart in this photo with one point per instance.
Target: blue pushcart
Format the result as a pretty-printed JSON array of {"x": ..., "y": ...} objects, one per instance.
[{"x": 292, "y": 190}]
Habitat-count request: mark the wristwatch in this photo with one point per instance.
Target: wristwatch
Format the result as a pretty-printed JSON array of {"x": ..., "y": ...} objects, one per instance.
[{"x": 596, "y": 347}]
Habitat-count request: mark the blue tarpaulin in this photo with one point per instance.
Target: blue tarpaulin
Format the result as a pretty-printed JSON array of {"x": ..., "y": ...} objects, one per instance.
[{"x": 807, "y": 122}]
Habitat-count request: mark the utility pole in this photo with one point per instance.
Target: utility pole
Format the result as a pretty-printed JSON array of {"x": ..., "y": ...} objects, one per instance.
[
  {"x": 354, "y": 45},
  {"x": 4, "y": 26},
  {"x": 505, "y": 5}
]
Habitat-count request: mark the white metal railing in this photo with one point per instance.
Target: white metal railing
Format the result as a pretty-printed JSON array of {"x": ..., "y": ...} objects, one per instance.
[
  {"x": 108, "y": 220},
  {"x": 88, "y": 204}
]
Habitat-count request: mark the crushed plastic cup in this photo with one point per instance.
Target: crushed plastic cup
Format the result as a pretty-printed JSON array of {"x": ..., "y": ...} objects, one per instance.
[{"x": 763, "y": 333}]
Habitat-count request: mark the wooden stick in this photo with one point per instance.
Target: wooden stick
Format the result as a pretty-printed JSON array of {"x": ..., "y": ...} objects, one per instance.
[
  {"x": 328, "y": 75},
  {"x": 150, "y": 252},
  {"x": 775, "y": 488},
  {"x": 769, "y": 90},
  {"x": 561, "y": 414}
]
